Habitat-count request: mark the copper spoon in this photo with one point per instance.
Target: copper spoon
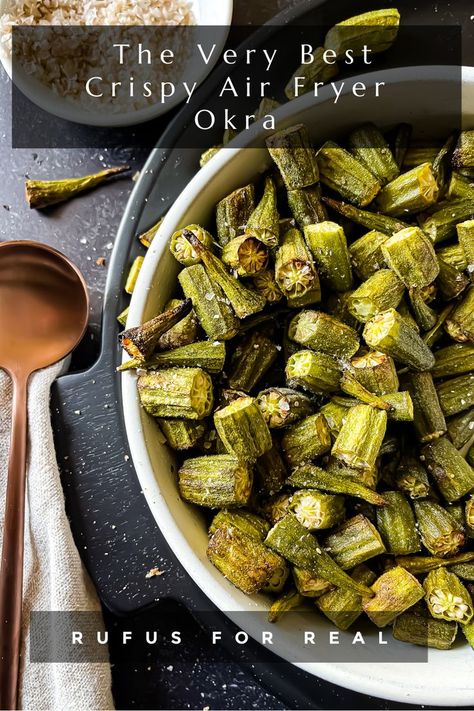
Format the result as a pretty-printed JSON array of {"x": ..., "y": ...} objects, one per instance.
[{"x": 43, "y": 315}]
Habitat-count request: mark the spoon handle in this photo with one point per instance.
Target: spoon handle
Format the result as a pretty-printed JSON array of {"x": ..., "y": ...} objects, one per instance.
[{"x": 11, "y": 573}]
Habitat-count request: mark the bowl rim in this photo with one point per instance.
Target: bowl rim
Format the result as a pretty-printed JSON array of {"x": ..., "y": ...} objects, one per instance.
[{"x": 358, "y": 677}]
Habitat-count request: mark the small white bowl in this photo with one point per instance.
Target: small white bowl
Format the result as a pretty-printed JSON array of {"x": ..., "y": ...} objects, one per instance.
[{"x": 213, "y": 13}]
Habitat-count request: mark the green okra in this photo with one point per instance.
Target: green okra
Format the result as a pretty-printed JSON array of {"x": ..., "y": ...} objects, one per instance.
[
  {"x": 456, "y": 510},
  {"x": 383, "y": 290},
  {"x": 123, "y": 316},
  {"x": 208, "y": 154},
  {"x": 439, "y": 532},
  {"x": 324, "y": 333},
  {"x": 424, "y": 631},
  {"x": 465, "y": 232},
  {"x": 335, "y": 415},
  {"x": 306, "y": 440},
  {"x": 389, "y": 333},
  {"x": 133, "y": 274},
  {"x": 140, "y": 341},
  {"x": 293, "y": 153},
  {"x": 278, "y": 580},
  {"x": 337, "y": 306},
  {"x": 306, "y": 75},
  {"x": 361, "y": 436},
  {"x": 447, "y": 598},
  {"x": 182, "y": 434},
  {"x": 409, "y": 193},
  {"x": 456, "y": 395},
  {"x": 242, "y": 429},
  {"x": 407, "y": 316},
  {"x": 461, "y": 428},
  {"x": 310, "y": 585},
  {"x": 463, "y": 570},
  {"x": 250, "y": 361},
  {"x": 429, "y": 419},
  {"x": 290, "y": 600},
  {"x": 351, "y": 386},
  {"x": 397, "y": 526},
  {"x": 44, "y": 193},
  {"x": 264, "y": 222},
  {"x": 394, "y": 592},
  {"x": 376, "y": 29},
  {"x": 208, "y": 355},
  {"x": 317, "y": 373},
  {"x": 246, "y": 255},
  {"x": 295, "y": 273},
  {"x": 453, "y": 475},
  {"x": 401, "y": 141},
  {"x": 368, "y": 145},
  {"x": 425, "y": 317},
  {"x": 186, "y": 331},
  {"x": 367, "y": 477},
  {"x": 306, "y": 206},
  {"x": 411, "y": 478},
  {"x": 460, "y": 322},
  {"x": 340, "y": 171},
  {"x": 244, "y": 561},
  {"x": 312, "y": 477},
  {"x": 420, "y": 153},
  {"x": 276, "y": 507},
  {"x": 376, "y": 372},
  {"x": 294, "y": 542},
  {"x": 410, "y": 254},
  {"x": 460, "y": 187},
  {"x": 441, "y": 225},
  {"x": 209, "y": 302},
  {"x": 463, "y": 156},
  {"x": 283, "y": 406},
  {"x": 371, "y": 220},
  {"x": 343, "y": 607},
  {"x": 265, "y": 284},
  {"x": 366, "y": 254},
  {"x": 177, "y": 393},
  {"x": 245, "y": 521},
  {"x": 442, "y": 163},
  {"x": 454, "y": 255},
  {"x": 233, "y": 212},
  {"x": 183, "y": 251},
  {"x": 399, "y": 406},
  {"x": 317, "y": 511},
  {"x": 215, "y": 481},
  {"x": 450, "y": 281},
  {"x": 354, "y": 542},
  {"x": 421, "y": 564},
  {"x": 271, "y": 471},
  {"x": 147, "y": 237},
  {"x": 435, "y": 333},
  {"x": 328, "y": 245}
]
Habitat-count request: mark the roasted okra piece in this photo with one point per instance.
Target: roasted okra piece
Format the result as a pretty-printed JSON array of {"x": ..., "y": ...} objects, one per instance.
[
  {"x": 246, "y": 255},
  {"x": 147, "y": 237},
  {"x": 395, "y": 591},
  {"x": 440, "y": 533},
  {"x": 317, "y": 373},
  {"x": 242, "y": 559},
  {"x": 182, "y": 250},
  {"x": 123, "y": 316},
  {"x": 463, "y": 570},
  {"x": 328, "y": 246},
  {"x": 460, "y": 187},
  {"x": 306, "y": 206},
  {"x": 264, "y": 222},
  {"x": 424, "y": 631},
  {"x": 310, "y": 585},
  {"x": 409, "y": 193},
  {"x": 411, "y": 256},
  {"x": 351, "y": 386},
  {"x": 463, "y": 156},
  {"x": 343, "y": 607},
  {"x": 233, "y": 212},
  {"x": 425, "y": 317},
  {"x": 43, "y": 193},
  {"x": 292, "y": 151},
  {"x": 454, "y": 255},
  {"x": 461, "y": 428},
  {"x": 401, "y": 142},
  {"x": 209, "y": 302},
  {"x": 388, "y": 332},
  {"x": 266, "y": 106},
  {"x": 400, "y": 406},
  {"x": 376, "y": 372},
  {"x": 141, "y": 341},
  {"x": 361, "y": 436},
  {"x": 304, "y": 78},
  {"x": 250, "y": 361},
  {"x": 383, "y": 290},
  {"x": 177, "y": 392},
  {"x": 265, "y": 284},
  {"x": 182, "y": 434},
  {"x": 460, "y": 322},
  {"x": 316, "y": 510},
  {"x": 453, "y": 475},
  {"x": 366, "y": 254},
  {"x": 312, "y": 477},
  {"x": 411, "y": 478},
  {"x": 335, "y": 415},
  {"x": 428, "y": 416},
  {"x": 246, "y": 521},
  {"x": 465, "y": 232},
  {"x": 354, "y": 542},
  {"x": 371, "y": 220},
  {"x": 208, "y": 355},
  {"x": 450, "y": 281},
  {"x": 283, "y": 406},
  {"x": 469, "y": 514},
  {"x": 447, "y": 598},
  {"x": 295, "y": 273},
  {"x": 324, "y": 333},
  {"x": 270, "y": 470},
  {"x": 376, "y": 29},
  {"x": 186, "y": 331},
  {"x": 133, "y": 275},
  {"x": 434, "y": 334},
  {"x": 397, "y": 526},
  {"x": 340, "y": 171},
  {"x": 367, "y": 477},
  {"x": 421, "y": 564},
  {"x": 290, "y": 600},
  {"x": 369, "y": 146},
  {"x": 242, "y": 429},
  {"x": 306, "y": 440},
  {"x": 441, "y": 225},
  {"x": 456, "y": 395},
  {"x": 215, "y": 481}
]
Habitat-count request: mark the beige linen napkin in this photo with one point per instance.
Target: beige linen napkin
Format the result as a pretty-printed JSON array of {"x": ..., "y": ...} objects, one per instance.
[{"x": 54, "y": 577}]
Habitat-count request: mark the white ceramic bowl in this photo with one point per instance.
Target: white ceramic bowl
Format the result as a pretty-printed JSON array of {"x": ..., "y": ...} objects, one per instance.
[
  {"x": 448, "y": 678},
  {"x": 207, "y": 12}
]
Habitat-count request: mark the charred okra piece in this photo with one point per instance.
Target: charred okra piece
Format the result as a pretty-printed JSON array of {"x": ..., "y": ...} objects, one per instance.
[
  {"x": 397, "y": 526},
  {"x": 421, "y": 564},
  {"x": 271, "y": 471},
  {"x": 246, "y": 562},
  {"x": 312, "y": 477},
  {"x": 177, "y": 392},
  {"x": 304, "y": 78},
  {"x": 441, "y": 225},
  {"x": 425, "y": 316},
  {"x": 376, "y": 372},
  {"x": 290, "y": 600},
  {"x": 335, "y": 415},
  {"x": 377, "y": 29},
  {"x": 283, "y": 406},
  {"x": 292, "y": 151},
  {"x": 294, "y": 542},
  {"x": 411, "y": 256},
  {"x": 133, "y": 275},
  {"x": 295, "y": 273},
  {"x": 328, "y": 246},
  {"x": 182, "y": 434},
  {"x": 123, "y": 316},
  {"x": 43, "y": 193},
  {"x": 306, "y": 440},
  {"x": 141, "y": 341},
  {"x": 233, "y": 212},
  {"x": 429, "y": 418},
  {"x": 410, "y": 193},
  {"x": 456, "y": 395},
  {"x": 411, "y": 478},
  {"x": 361, "y": 436},
  {"x": 440, "y": 534},
  {"x": 306, "y": 206},
  {"x": 185, "y": 332},
  {"x": 264, "y": 222},
  {"x": 450, "y": 282},
  {"x": 424, "y": 631},
  {"x": 314, "y": 372},
  {"x": 340, "y": 171},
  {"x": 366, "y": 254},
  {"x": 389, "y": 333},
  {"x": 354, "y": 542},
  {"x": 310, "y": 585},
  {"x": 183, "y": 251},
  {"x": 460, "y": 323},
  {"x": 208, "y": 355},
  {"x": 465, "y": 232},
  {"x": 242, "y": 429},
  {"x": 371, "y": 220},
  {"x": 343, "y": 607},
  {"x": 324, "y": 333},
  {"x": 463, "y": 156},
  {"x": 251, "y": 361},
  {"x": 369, "y": 146},
  {"x": 395, "y": 591},
  {"x": 351, "y": 386},
  {"x": 453, "y": 475},
  {"x": 316, "y": 510},
  {"x": 215, "y": 481},
  {"x": 461, "y": 428},
  {"x": 265, "y": 284},
  {"x": 209, "y": 302},
  {"x": 247, "y": 522},
  {"x": 447, "y": 598},
  {"x": 246, "y": 255},
  {"x": 383, "y": 290}
]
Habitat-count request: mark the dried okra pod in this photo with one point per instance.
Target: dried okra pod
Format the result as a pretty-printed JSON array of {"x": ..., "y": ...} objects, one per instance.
[
  {"x": 215, "y": 481},
  {"x": 389, "y": 333},
  {"x": 460, "y": 322},
  {"x": 141, "y": 341},
  {"x": 177, "y": 392},
  {"x": 306, "y": 206},
  {"x": 250, "y": 361},
  {"x": 182, "y": 434},
  {"x": 265, "y": 284},
  {"x": 376, "y": 29},
  {"x": 371, "y": 220},
  {"x": 411, "y": 256},
  {"x": 314, "y": 372},
  {"x": 340, "y": 171},
  {"x": 463, "y": 156},
  {"x": 395, "y": 591},
  {"x": 441, "y": 225},
  {"x": 181, "y": 249},
  {"x": 245, "y": 521},
  {"x": 343, "y": 607},
  {"x": 453, "y": 475},
  {"x": 233, "y": 212},
  {"x": 447, "y": 598},
  {"x": 295, "y": 273},
  {"x": 397, "y": 526},
  {"x": 328, "y": 246},
  {"x": 242, "y": 429},
  {"x": 439, "y": 532},
  {"x": 316, "y": 510},
  {"x": 368, "y": 145},
  {"x": 306, "y": 440},
  {"x": 411, "y": 478},
  {"x": 424, "y": 631},
  {"x": 264, "y": 222},
  {"x": 306, "y": 75},
  {"x": 354, "y": 542},
  {"x": 456, "y": 395},
  {"x": 292, "y": 151},
  {"x": 410, "y": 193},
  {"x": 312, "y": 477},
  {"x": 310, "y": 585},
  {"x": 383, "y": 290},
  {"x": 290, "y": 600},
  {"x": 283, "y": 406},
  {"x": 361, "y": 436},
  {"x": 324, "y": 333},
  {"x": 366, "y": 254},
  {"x": 246, "y": 255},
  {"x": 133, "y": 275},
  {"x": 208, "y": 355},
  {"x": 429, "y": 419},
  {"x": 376, "y": 371}
]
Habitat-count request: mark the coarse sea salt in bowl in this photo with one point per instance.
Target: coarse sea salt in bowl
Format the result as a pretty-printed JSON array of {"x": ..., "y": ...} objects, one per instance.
[{"x": 63, "y": 93}]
